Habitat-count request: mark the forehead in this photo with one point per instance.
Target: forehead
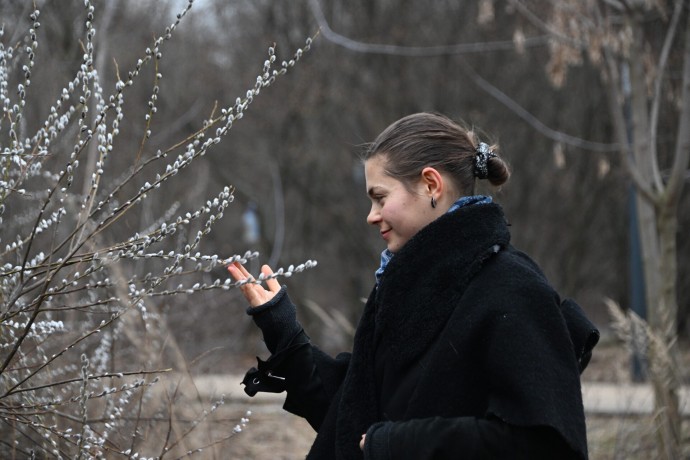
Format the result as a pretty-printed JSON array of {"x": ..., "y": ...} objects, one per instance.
[
  {"x": 375, "y": 171},
  {"x": 378, "y": 180}
]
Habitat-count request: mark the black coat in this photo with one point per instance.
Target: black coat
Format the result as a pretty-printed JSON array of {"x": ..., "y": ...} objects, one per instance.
[{"x": 464, "y": 350}]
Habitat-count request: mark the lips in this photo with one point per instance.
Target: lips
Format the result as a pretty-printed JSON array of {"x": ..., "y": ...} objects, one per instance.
[{"x": 385, "y": 233}]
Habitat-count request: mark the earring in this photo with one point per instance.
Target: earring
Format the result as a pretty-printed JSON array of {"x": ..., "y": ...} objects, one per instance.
[{"x": 433, "y": 202}]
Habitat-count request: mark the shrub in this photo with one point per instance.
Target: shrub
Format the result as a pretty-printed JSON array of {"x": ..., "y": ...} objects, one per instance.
[{"x": 80, "y": 335}]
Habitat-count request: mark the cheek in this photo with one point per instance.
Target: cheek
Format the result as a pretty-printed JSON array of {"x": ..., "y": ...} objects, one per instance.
[
  {"x": 400, "y": 215},
  {"x": 392, "y": 211}
]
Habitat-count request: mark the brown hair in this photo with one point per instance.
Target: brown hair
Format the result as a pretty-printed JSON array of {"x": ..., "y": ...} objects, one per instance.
[{"x": 429, "y": 139}]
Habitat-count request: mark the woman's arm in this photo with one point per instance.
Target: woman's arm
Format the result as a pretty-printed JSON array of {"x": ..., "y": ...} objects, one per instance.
[{"x": 310, "y": 376}]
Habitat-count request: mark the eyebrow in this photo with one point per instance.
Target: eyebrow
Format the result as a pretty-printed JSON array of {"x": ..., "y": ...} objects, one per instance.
[{"x": 372, "y": 190}]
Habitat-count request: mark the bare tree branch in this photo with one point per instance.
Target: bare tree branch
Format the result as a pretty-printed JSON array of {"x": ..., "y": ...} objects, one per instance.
[
  {"x": 414, "y": 51},
  {"x": 682, "y": 154},
  {"x": 661, "y": 71},
  {"x": 545, "y": 27},
  {"x": 534, "y": 121},
  {"x": 421, "y": 51}
]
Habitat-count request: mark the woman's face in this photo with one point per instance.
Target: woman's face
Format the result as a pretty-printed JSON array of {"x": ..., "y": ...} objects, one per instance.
[{"x": 397, "y": 211}]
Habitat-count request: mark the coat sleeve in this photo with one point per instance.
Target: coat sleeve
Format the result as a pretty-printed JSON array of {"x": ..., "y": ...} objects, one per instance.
[
  {"x": 310, "y": 376},
  {"x": 444, "y": 438}
]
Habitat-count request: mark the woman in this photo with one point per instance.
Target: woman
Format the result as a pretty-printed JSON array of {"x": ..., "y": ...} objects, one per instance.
[{"x": 463, "y": 350}]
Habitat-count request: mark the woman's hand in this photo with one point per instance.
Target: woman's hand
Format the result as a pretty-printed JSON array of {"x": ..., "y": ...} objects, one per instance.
[
  {"x": 362, "y": 441},
  {"x": 255, "y": 294}
]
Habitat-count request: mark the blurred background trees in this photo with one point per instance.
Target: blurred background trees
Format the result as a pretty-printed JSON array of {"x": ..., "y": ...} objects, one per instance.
[
  {"x": 568, "y": 198},
  {"x": 296, "y": 158},
  {"x": 533, "y": 76},
  {"x": 633, "y": 44}
]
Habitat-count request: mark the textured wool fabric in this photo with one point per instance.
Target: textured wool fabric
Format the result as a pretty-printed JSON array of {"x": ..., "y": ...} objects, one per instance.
[
  {"x": 460, "y": 350},
  {"x": 285, "y": 319},
  {"x": 386, "y": 255}
]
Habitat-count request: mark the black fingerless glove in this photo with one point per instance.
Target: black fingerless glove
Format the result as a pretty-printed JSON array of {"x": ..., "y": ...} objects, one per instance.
[{"x": 277, "y": 320}]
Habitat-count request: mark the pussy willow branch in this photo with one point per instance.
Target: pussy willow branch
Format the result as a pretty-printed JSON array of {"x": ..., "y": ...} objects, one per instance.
[
  {"x": 53, "y": 357},
  {"x": 68, "y": 260},
  {"x": 152, "y": 106},
  {"x": 104, "y": 324},
  {"x": 105, "y": 375},
  {"x": 196, "y": 423},
  {"x": 119, "y": 212},
  {"x": 26, "y": 331},
  {"x": 168, "y": 431},
  {"x": 82, "y": 143},
  {"x": 242, "y": 103}
]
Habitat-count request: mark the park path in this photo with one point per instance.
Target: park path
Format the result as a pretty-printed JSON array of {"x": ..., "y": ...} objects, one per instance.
[{"x": 598, "y": 398}]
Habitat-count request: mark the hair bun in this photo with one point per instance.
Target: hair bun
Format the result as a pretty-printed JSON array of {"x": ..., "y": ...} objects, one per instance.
[{"x": 498, "y": 171}]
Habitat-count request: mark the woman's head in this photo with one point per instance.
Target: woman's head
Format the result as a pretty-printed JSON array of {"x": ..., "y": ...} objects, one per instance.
[
  {"x": 432, "y": 140},
  {"x": 417, "y": 167}
]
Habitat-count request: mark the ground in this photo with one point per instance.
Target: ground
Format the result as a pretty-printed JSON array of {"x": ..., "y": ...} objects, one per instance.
[{"x": 273, "y": 434}]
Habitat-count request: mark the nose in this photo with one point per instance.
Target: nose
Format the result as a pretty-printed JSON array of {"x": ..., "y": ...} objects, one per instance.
[{"x": 374, "y": 216}]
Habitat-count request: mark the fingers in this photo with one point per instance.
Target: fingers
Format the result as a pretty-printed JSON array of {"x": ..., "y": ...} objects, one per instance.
[
  {"x": 234, "y": 272},
  {"x": 241, "y": 269},
  {"x": 240, "y": 273},
  {"x": 255, "y": 294},
  {"x": 272, "y": 283}
]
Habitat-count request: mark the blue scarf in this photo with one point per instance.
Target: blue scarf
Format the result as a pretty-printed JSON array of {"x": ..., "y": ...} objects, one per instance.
[{"x": 386, "y": 255}]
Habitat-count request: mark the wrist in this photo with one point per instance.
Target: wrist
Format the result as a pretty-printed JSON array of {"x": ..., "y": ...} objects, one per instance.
[{"x": 277, "y": 320}]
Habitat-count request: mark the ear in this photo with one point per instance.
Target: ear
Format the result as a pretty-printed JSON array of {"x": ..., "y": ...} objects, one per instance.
[{"x": 432, "y": 181}]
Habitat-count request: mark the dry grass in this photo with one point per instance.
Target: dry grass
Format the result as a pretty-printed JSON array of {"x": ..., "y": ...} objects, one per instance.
[
  {"x": 272, "y": 434},
  {"x": 626, "y": 438}
]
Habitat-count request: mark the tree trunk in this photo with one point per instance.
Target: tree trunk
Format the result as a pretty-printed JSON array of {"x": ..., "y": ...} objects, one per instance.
[
  {"x": 658, "y": 223},
  {"x": 667, "y": 382}
]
